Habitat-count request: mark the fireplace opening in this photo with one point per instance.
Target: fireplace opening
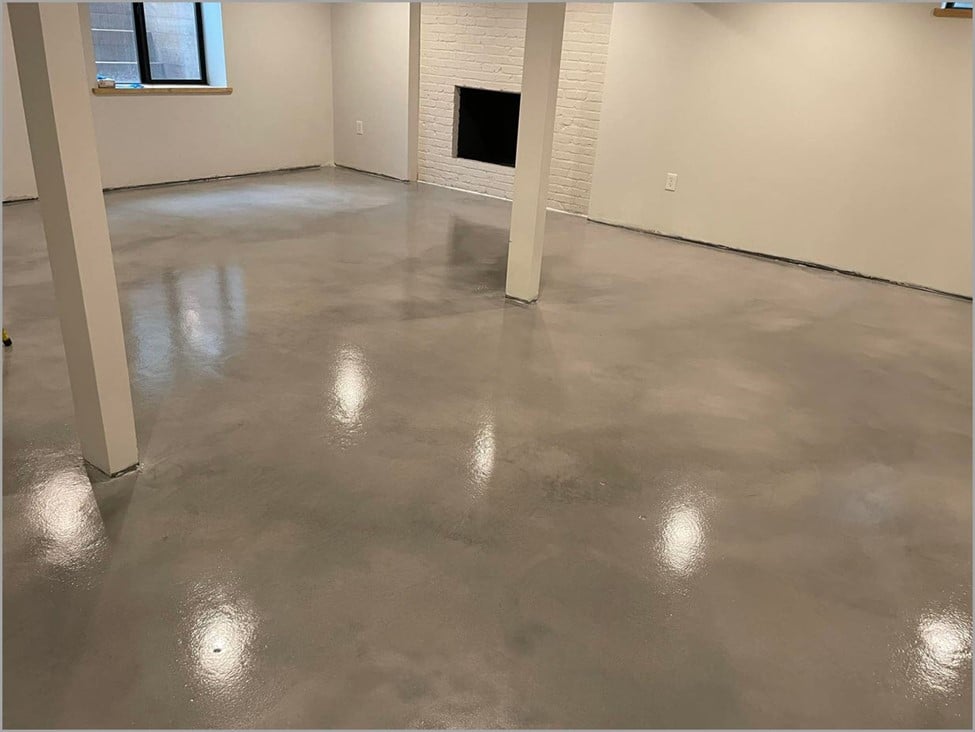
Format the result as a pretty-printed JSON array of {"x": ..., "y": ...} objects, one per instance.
[{"x": 487, "y": 125}]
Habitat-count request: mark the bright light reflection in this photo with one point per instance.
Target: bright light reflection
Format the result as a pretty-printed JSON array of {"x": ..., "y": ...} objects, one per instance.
[
  {"x": 193, "y": 316},
  {"x": 944, "y": 650},
  {"x": 482, "y": 453},
  {"x": 67, "y": 520},
  {"x": 205, "y": 339},
  {"x": 683, "y": 539},
  {"x": 221, "y": 641},
  {"x": 349, "y": 392}
]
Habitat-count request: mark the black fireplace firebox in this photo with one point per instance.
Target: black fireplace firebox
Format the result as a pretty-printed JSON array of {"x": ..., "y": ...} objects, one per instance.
[{"x": 487, "y": 125}]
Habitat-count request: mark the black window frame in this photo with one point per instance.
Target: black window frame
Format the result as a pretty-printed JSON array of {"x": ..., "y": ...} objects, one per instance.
[
  {"x": 142, "y": 48},
  {"x": 957, "y": 6}
]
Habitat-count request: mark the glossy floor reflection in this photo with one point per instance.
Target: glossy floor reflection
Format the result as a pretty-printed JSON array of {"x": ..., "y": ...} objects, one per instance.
[{"x": 688, "y": 488}]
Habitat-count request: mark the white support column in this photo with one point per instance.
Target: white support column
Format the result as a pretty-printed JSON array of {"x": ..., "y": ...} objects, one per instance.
[
  {"x": 54, "y": 85},
  {"x": 536, "y": 123}
]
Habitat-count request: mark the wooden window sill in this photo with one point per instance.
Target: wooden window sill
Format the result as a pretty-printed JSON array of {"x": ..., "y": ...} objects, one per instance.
[
  {"x": 953, "y": 12},
  {"x": 99, "y": 91}
]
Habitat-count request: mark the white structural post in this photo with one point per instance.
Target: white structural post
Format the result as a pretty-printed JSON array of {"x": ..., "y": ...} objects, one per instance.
[
  {"x": 54, "y": 85},
  {"x": 536, "y": 123}
]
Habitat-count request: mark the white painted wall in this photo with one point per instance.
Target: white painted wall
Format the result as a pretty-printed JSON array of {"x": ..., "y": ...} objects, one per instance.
[
  {"x": 483, "y": 46},
  {"x": 18, "y": 173},
  {"x": 279, "y": 115},
  {"x": 836, "y": 134},
  {"x": 370, "y": 82}
]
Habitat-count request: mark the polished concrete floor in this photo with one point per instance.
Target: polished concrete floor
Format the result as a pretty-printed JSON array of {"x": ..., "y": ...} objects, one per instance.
[{"x": 687, "y": 488}]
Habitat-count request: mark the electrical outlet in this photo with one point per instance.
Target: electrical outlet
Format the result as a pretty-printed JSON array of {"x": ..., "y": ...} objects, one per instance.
[
  {"x": 671, "y": 184},
  {"x": 358, "y": 126}
]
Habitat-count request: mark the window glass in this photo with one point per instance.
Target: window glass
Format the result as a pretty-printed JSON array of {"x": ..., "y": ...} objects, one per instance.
[
  {"x": 113, "y": 34},
  {"x": 171, "y": 36}
]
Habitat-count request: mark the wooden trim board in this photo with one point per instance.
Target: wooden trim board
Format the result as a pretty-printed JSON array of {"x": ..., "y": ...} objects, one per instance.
[{"x": 99, "y": 91}]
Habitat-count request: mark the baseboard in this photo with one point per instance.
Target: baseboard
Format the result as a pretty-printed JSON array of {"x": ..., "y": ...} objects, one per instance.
[
  {"x": 208, "y": 179},
  {"x": 372, "y": 173},
  {"x": 211, "y": 178},
  {"x": 784, "y": 260}
]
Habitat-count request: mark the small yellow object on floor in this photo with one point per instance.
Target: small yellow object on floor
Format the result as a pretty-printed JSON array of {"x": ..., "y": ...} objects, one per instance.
[{"x": 6, "y": 338}]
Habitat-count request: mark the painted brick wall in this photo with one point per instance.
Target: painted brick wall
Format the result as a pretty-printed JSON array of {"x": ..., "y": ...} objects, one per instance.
[{"x": 483, "y": 46}]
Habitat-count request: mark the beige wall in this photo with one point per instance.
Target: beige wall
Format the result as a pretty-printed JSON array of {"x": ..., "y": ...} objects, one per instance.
[
  {"x": 18, "y": 174},
  {"x": 836, "y": 134},
  {"x": 279, "y": 115},
  {"x": 371, "y": 84}
]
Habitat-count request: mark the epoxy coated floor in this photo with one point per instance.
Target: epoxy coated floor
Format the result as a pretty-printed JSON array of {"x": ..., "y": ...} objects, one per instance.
[{"x": 687, "y": 488}]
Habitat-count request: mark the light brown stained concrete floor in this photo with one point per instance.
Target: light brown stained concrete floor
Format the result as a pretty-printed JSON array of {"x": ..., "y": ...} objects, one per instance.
[{"x": 688, "y": 488}]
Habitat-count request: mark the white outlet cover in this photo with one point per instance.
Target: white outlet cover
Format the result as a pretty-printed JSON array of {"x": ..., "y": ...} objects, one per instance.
[
  {"x": 358, "y": 127},
  {"x": 671, "y": 184}
]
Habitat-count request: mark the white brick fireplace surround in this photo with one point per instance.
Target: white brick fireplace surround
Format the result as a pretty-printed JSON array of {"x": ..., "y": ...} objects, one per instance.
[{"x": 482, "y": 46}]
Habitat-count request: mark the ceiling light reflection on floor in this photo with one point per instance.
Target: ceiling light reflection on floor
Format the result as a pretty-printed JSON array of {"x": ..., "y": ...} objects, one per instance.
[
  {"x": 944, "y": 650},
  {"x": 66, "y": 518},
  {"x": 683, "y": 540},
  {"x": 349, "y": 393},
  {"x": 221, "y": 639},
  {"x": 481, "y": 459}
]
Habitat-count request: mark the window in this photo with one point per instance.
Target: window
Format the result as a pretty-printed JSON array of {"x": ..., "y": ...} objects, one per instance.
[
  {"x": 954, "y": 10},
  {"x": 149, "y": 43}
]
